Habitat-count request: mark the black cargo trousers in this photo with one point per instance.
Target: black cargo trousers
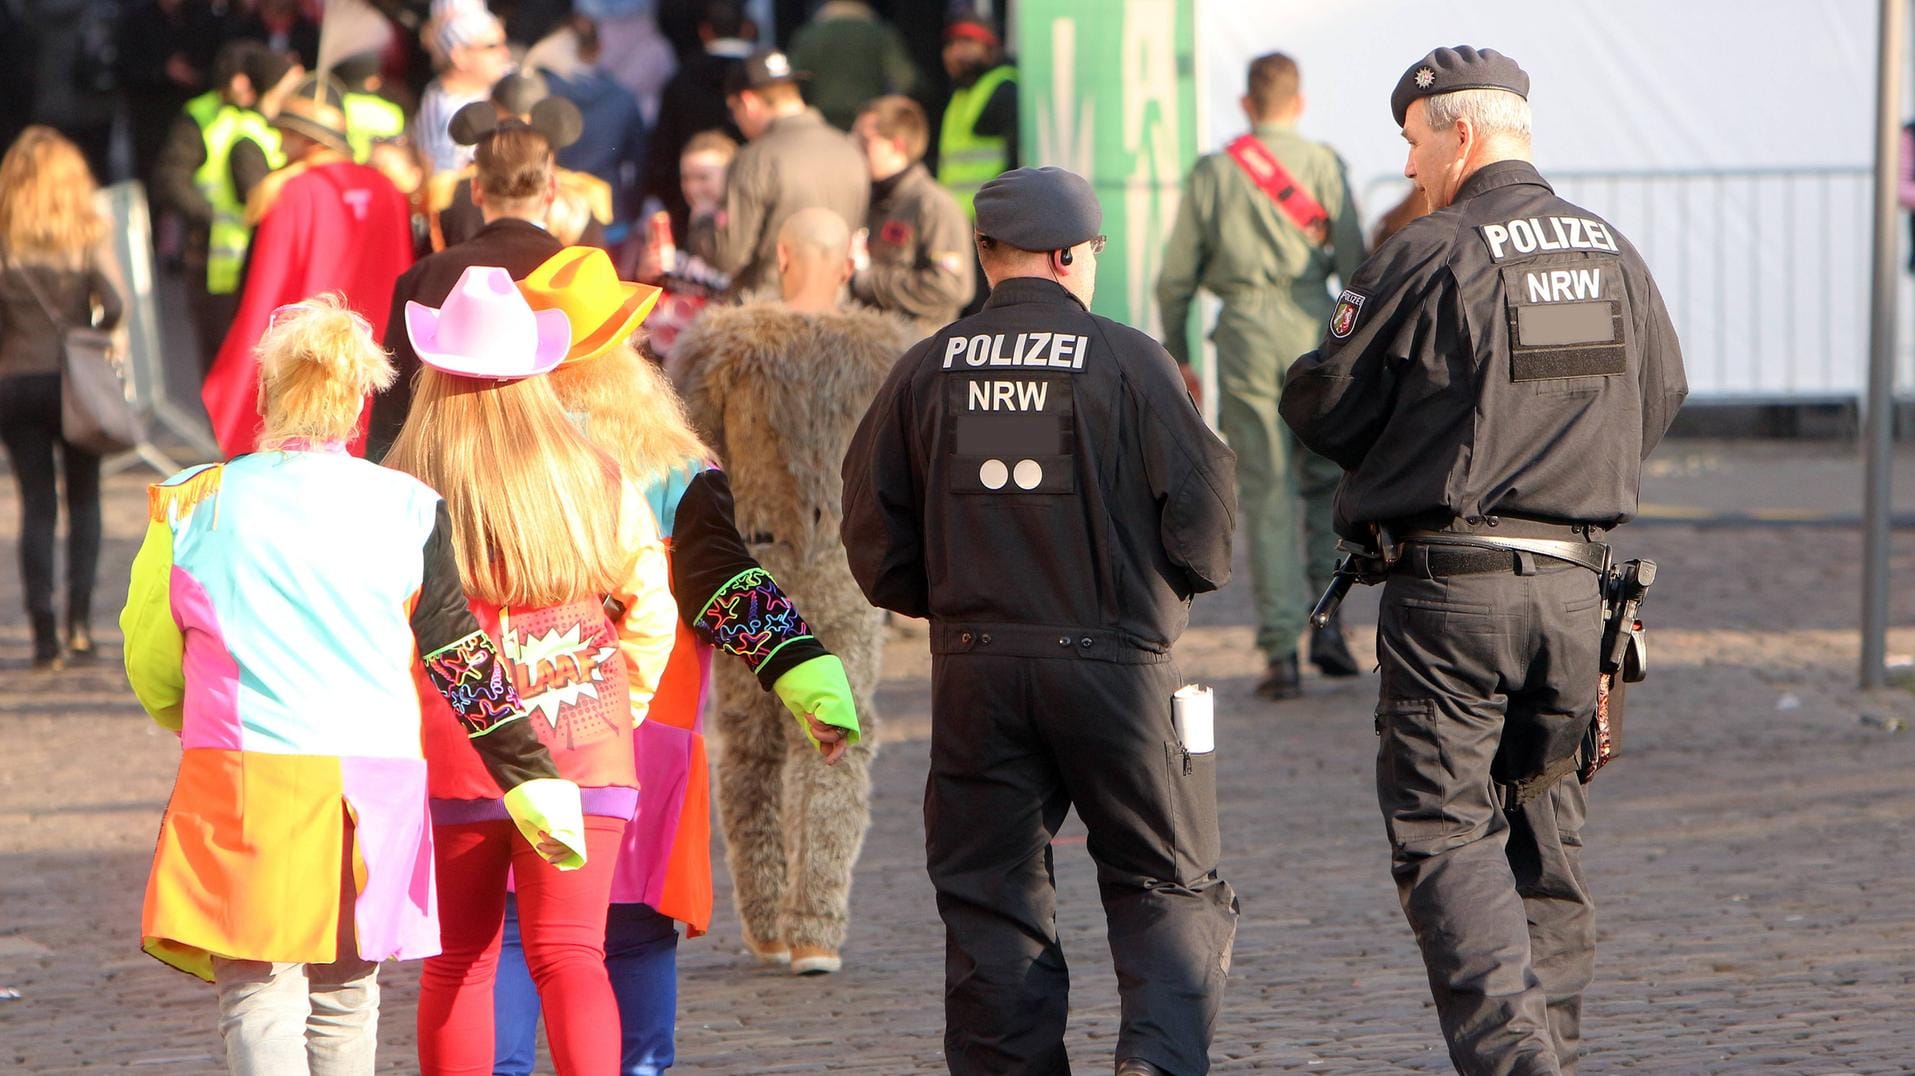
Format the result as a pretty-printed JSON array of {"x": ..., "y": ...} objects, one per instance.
[
  {"x": 1487, "y": 676},
  {"x": 1027, "y": 722}
]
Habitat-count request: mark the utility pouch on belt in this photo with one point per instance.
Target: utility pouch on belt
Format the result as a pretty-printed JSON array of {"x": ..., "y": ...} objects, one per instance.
[{"x": 1625, "y": 661}]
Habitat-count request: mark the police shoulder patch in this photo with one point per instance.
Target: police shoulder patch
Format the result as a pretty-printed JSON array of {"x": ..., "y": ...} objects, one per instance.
[{"x": 1349, "y": 305}]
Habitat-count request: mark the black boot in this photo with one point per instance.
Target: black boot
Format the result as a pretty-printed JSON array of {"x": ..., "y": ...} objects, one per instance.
[
  {"x": 1281, "y": 679},
  {"x": 47, "y": 656},
  {"x": 1137, "y": 1066},
  {"x": 1329, "y": 653},
  {"x": 79, "y": 637}
]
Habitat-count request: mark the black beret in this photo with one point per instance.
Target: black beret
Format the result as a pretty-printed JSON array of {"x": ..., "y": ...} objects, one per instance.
[
  {"x": 1452, "y": 69},
  {"x": 1039, "y": 209}
]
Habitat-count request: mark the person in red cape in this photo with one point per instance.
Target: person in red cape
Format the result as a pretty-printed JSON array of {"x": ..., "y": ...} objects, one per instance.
[{"x": 322, "y": 224}]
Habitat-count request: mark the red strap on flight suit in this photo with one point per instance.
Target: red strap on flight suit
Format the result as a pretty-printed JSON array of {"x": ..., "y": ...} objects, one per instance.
[{"x": 1274, "y": 180}]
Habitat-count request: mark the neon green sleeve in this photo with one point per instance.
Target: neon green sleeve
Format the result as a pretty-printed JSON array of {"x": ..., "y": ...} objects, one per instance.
[{"x": 154, "y": 643}]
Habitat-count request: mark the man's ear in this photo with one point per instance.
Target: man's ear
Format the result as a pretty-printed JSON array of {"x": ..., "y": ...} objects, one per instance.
[
  {"x": 478, "y": 196},
  {"x": 552, "y": 187},
  {"x": 784, "y": 260},
  {"x": 846, "y": 271}
]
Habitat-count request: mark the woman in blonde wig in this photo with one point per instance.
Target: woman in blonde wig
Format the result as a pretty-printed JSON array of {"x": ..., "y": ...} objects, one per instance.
[
  {"x": 48, "y": 281},
  {"x": 280, "y": 608},
  {"x": 726, "y": 601},
  {"x": 548, "y": 534}
]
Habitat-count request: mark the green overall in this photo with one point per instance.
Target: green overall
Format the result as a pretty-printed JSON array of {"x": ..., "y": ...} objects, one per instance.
[{"x": 1231, "y": 239}]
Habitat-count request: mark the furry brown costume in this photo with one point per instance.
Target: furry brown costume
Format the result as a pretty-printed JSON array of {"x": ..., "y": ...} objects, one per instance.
[{"x": 778, "y": 395}]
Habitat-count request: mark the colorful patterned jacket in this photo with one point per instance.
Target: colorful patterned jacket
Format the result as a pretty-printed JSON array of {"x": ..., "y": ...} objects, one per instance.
[
  {"x": 277, "y": 609},
  {"x": 728, "y": 602},
  {"x": 585, "y": 681}
]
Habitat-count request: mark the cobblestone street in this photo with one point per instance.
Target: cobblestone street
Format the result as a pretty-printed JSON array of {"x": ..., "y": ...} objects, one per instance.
[{"x": 1750, "y": 854}]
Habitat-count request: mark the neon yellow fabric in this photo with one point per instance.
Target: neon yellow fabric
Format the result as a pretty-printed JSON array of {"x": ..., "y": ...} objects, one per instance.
[
  {"x": 967, "y": 160},
  {"x": 154, "y": 644},
  {"x": 550, "y": 805},
  {"x": 226, "y": 246},
  {"x": 369, "y": 118},
  {"x": 819, "y": 687}
]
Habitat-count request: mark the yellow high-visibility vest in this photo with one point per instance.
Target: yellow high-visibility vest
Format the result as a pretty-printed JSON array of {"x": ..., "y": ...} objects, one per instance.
[{"x": 967, "y": 160}]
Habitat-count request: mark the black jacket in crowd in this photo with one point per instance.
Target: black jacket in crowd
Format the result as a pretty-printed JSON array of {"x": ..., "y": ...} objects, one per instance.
[
  {"x": 514, "y": 245},
  {"x": 1039, "y": 474},
  {"x": 1506, "y": 355}
]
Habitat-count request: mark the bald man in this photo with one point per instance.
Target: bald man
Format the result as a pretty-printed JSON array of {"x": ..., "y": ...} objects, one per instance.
[
  {"x": 814, "y": 261},
  {"x": 792, "y": 825}
]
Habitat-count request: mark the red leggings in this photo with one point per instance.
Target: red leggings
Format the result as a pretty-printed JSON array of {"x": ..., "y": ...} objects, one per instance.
[{"x": 562, "y": 917}]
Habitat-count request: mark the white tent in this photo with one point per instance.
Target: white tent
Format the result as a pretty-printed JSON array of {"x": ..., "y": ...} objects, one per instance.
[{"x": 1729, "y": 139}]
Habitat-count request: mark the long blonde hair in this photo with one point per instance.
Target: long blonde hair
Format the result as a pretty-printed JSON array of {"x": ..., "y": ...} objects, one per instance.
[
  {"x": 534, "y": 505},
  {"x": 630, "y": 411},
  {"x": 46, "y": 201},
  {"x": 317, "y": 363}
]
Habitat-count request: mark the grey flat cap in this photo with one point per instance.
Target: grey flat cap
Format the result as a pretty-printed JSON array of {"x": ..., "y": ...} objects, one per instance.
[
  {"x": 1039, "y": 209},
  {"x": 1452, "y": 69}
]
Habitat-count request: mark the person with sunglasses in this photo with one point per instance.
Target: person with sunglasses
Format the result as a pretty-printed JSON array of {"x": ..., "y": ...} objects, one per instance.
[
  {"x": 470, "y": 43},
  {"x": 1037, "y": 482}
]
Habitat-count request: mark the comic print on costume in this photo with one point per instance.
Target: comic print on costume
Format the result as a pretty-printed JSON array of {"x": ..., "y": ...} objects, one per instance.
[{"x": 566, "y": 664}]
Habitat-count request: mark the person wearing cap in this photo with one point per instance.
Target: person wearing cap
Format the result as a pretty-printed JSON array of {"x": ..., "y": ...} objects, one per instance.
[
  {"x": 549, "y": 534},
  {"x": 280, "y": 608},
  {"x": 472, "y": 42},
  {"x": 322, "y": 223},
  {"x": 1036, "y": 481},
  {"x": 1270, "y": 261},
  {"x": 195, "y": 177},
  {"x": 794, "y": 160},
  {"x": 916, "y": 259},
  {"x": 625, "y": 406},
  {"x": 1490, "y": 381},
  {"x": 513, "y": 186},
  {"x": 978, "y": 137}
]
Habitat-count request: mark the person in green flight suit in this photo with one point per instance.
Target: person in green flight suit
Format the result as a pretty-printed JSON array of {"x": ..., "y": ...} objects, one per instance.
[{"x": 1266, "y": 244}]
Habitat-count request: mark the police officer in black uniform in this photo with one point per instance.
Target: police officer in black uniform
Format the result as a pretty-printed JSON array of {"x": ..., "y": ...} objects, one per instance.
[
  {"x": 1498, "y": 369},
  {"x": 1036, "y": 481}
]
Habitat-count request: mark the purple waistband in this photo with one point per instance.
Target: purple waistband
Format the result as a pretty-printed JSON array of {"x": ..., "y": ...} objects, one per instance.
[{"x": 610, "y": 801}]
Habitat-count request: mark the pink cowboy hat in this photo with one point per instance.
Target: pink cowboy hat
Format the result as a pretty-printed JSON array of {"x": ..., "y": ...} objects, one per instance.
[{"x": 486, "y": 329}]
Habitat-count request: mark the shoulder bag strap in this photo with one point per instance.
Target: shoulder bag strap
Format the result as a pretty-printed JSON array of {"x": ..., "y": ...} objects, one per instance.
[{"x": 1275, "y": 181}]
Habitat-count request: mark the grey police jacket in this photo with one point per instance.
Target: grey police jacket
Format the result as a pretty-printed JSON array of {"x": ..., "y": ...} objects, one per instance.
[
  {"x": 1506, "y": 355},
  {"x": 1036, "y": 480}
]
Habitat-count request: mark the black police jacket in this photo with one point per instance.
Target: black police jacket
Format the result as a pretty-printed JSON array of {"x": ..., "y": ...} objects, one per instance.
[
  {"x": 1037, "y": 476},
  {"x": 1506, "y": 355}
]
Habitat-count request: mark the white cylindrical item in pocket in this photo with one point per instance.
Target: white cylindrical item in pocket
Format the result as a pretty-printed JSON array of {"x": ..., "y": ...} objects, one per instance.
[{"x": 1191, "y": 714}]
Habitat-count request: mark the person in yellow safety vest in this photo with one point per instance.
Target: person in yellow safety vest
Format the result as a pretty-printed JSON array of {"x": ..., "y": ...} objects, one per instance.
[
  {"x": 194, "y": 178},
  {"x": 978, "y": 138},
  {"x": 370, "y": 117}
]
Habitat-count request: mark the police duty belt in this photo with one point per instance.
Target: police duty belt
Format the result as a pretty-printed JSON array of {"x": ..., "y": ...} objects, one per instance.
[{"x": 1591, "y": 555}]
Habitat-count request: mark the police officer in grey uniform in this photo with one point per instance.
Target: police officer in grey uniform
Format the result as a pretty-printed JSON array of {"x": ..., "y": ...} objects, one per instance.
[
  {"x": 1498, "y": 369},
  {"x": 1036, "y": 480}
]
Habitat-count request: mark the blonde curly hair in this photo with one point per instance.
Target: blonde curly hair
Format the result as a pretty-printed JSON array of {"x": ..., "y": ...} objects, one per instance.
[{"x": 317, "y": 364}]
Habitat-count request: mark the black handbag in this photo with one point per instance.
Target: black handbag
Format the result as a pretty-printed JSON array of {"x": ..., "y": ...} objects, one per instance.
[{"x": 94, "y": 412}]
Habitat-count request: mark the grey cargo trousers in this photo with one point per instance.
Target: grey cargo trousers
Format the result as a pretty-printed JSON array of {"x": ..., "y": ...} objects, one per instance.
[{"x": 1488, "y": 677}]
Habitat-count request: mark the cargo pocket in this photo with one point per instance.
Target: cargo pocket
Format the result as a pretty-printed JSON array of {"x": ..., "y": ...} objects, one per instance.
[
  {"x": 1416, "y": 779},
  {"x": 1192, "y": 783}
]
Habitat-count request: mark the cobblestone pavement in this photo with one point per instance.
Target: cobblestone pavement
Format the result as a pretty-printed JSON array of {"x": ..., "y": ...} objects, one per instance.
[{"x": 1750, "y": 854}]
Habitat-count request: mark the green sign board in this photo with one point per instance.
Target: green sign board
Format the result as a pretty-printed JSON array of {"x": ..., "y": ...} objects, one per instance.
[{"x": 1108, "y": 89}]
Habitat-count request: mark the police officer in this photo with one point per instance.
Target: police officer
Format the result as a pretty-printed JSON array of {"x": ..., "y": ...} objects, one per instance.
[
  {"x": 918, "y": 241},
  {"x": 1262, "y": 226},
  {"x": 1036, "y": 481},
  {"x": 1497, "y": 370}
]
